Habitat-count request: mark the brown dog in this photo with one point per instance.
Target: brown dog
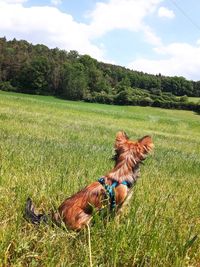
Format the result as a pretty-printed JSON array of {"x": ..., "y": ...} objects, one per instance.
[{"x": 113, "y": 188}]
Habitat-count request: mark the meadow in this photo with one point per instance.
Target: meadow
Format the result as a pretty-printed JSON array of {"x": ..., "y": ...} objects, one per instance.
[
  {"x": 194, "y": 99},
  {"x": 51, "y": 148}
]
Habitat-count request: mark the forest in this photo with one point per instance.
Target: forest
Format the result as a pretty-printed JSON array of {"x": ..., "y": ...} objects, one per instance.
[{"x": 36, "y": 69}]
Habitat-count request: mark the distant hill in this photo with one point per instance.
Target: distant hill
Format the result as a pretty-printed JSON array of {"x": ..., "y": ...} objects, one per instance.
[{"x": 36, "y": 69}]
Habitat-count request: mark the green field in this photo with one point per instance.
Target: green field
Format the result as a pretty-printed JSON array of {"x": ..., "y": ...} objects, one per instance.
[
  {"x": 194, "y": 99},
  {"x": 50, "y": 148}
]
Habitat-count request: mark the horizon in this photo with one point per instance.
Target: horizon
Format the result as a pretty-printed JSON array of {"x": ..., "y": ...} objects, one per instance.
[
  {"x": 113, "y": 64},
  {"x": 149, "y": 33}
]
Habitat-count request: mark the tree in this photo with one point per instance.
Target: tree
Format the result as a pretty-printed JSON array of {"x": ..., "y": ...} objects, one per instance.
[
  {"x": 74, "y": 84},
  {"x": 37, "y": 69},
  {"x": 33, "y": 77},
  {"x": 124, "y": 97}
]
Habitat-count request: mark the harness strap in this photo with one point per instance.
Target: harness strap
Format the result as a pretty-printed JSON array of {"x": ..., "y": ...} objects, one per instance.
[{"x": 110, "y": 190}]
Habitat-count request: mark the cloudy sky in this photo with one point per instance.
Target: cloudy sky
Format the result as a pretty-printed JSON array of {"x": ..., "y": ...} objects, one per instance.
[{"x": 154, "y": 36}]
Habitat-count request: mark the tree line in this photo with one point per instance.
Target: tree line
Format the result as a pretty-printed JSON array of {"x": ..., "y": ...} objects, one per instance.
[{"x": 36, "y": 69}]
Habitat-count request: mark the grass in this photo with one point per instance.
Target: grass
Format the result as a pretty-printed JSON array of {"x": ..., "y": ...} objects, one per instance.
[
  {"x": 194, "y": 99},
  {"x": 50, "y": 148}
]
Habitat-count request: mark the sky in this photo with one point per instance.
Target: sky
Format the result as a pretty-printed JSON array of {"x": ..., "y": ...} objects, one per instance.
[{"x": 153, "y": 36}]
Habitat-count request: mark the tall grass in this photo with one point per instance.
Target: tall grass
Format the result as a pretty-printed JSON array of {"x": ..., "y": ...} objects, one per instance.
[
  {"x": 194, "y": 99},
  {"x": 50, "y": 148}
]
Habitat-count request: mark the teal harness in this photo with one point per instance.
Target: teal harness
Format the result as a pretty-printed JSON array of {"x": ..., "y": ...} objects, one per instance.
[{"x": 110, "y": 190}]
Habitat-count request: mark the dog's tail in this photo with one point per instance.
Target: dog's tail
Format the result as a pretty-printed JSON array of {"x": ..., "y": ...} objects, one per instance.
[{"x": 30, "y": 214}]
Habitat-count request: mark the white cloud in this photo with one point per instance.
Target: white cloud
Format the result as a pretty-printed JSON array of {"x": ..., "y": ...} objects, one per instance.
[
  {"x": 198, "y": 42},
  {"x": 123, "y": 14},
  {"x": 12, "y": 1},
  {"x": 56, "y": 2},
  {"x": 164, "y": 12},
  {"x": 180, "y": 59},
  {"x": 50, "y": 26},
  {"x": 46, "y": 25},
  {"x": 151, "y": 37}
]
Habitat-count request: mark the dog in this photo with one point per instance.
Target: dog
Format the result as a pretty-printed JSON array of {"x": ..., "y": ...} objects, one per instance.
[{"x": 112, "y": 190}]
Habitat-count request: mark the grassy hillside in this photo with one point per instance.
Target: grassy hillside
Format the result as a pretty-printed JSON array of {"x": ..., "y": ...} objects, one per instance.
[
  {"x": 194, "y": 99},
  {"x": 50, "y": 148}
]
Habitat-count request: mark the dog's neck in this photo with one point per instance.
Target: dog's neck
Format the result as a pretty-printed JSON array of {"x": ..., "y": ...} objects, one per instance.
[{"x": 126, "y": 169}]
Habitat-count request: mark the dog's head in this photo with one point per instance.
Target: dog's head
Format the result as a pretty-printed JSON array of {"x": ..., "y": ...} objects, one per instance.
[{"x": 136, "y": 151}]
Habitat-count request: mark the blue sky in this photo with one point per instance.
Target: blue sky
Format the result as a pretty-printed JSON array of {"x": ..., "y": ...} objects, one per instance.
[{"x": 154, "y": 36}]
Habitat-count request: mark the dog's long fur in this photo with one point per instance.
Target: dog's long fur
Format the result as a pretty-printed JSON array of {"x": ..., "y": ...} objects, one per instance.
[{"x": 76, "y": 211}]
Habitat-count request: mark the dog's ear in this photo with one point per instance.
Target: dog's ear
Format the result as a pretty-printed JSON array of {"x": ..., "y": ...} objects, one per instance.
[
  {"x": 121, "y": 138},
  {"x": 146, "y": 143}
]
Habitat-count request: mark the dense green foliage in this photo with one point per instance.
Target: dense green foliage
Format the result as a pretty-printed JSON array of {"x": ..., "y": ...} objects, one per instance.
[
  {"x": 51, "y": 148},
  {"x": 36, "y": 69}
]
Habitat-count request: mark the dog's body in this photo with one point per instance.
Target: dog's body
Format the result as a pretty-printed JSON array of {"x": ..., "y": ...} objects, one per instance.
[{"x": 76, "y": 211}]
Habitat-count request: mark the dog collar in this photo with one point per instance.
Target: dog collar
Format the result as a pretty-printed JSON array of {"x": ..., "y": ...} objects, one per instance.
[{"x": 110, "y": 190}]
